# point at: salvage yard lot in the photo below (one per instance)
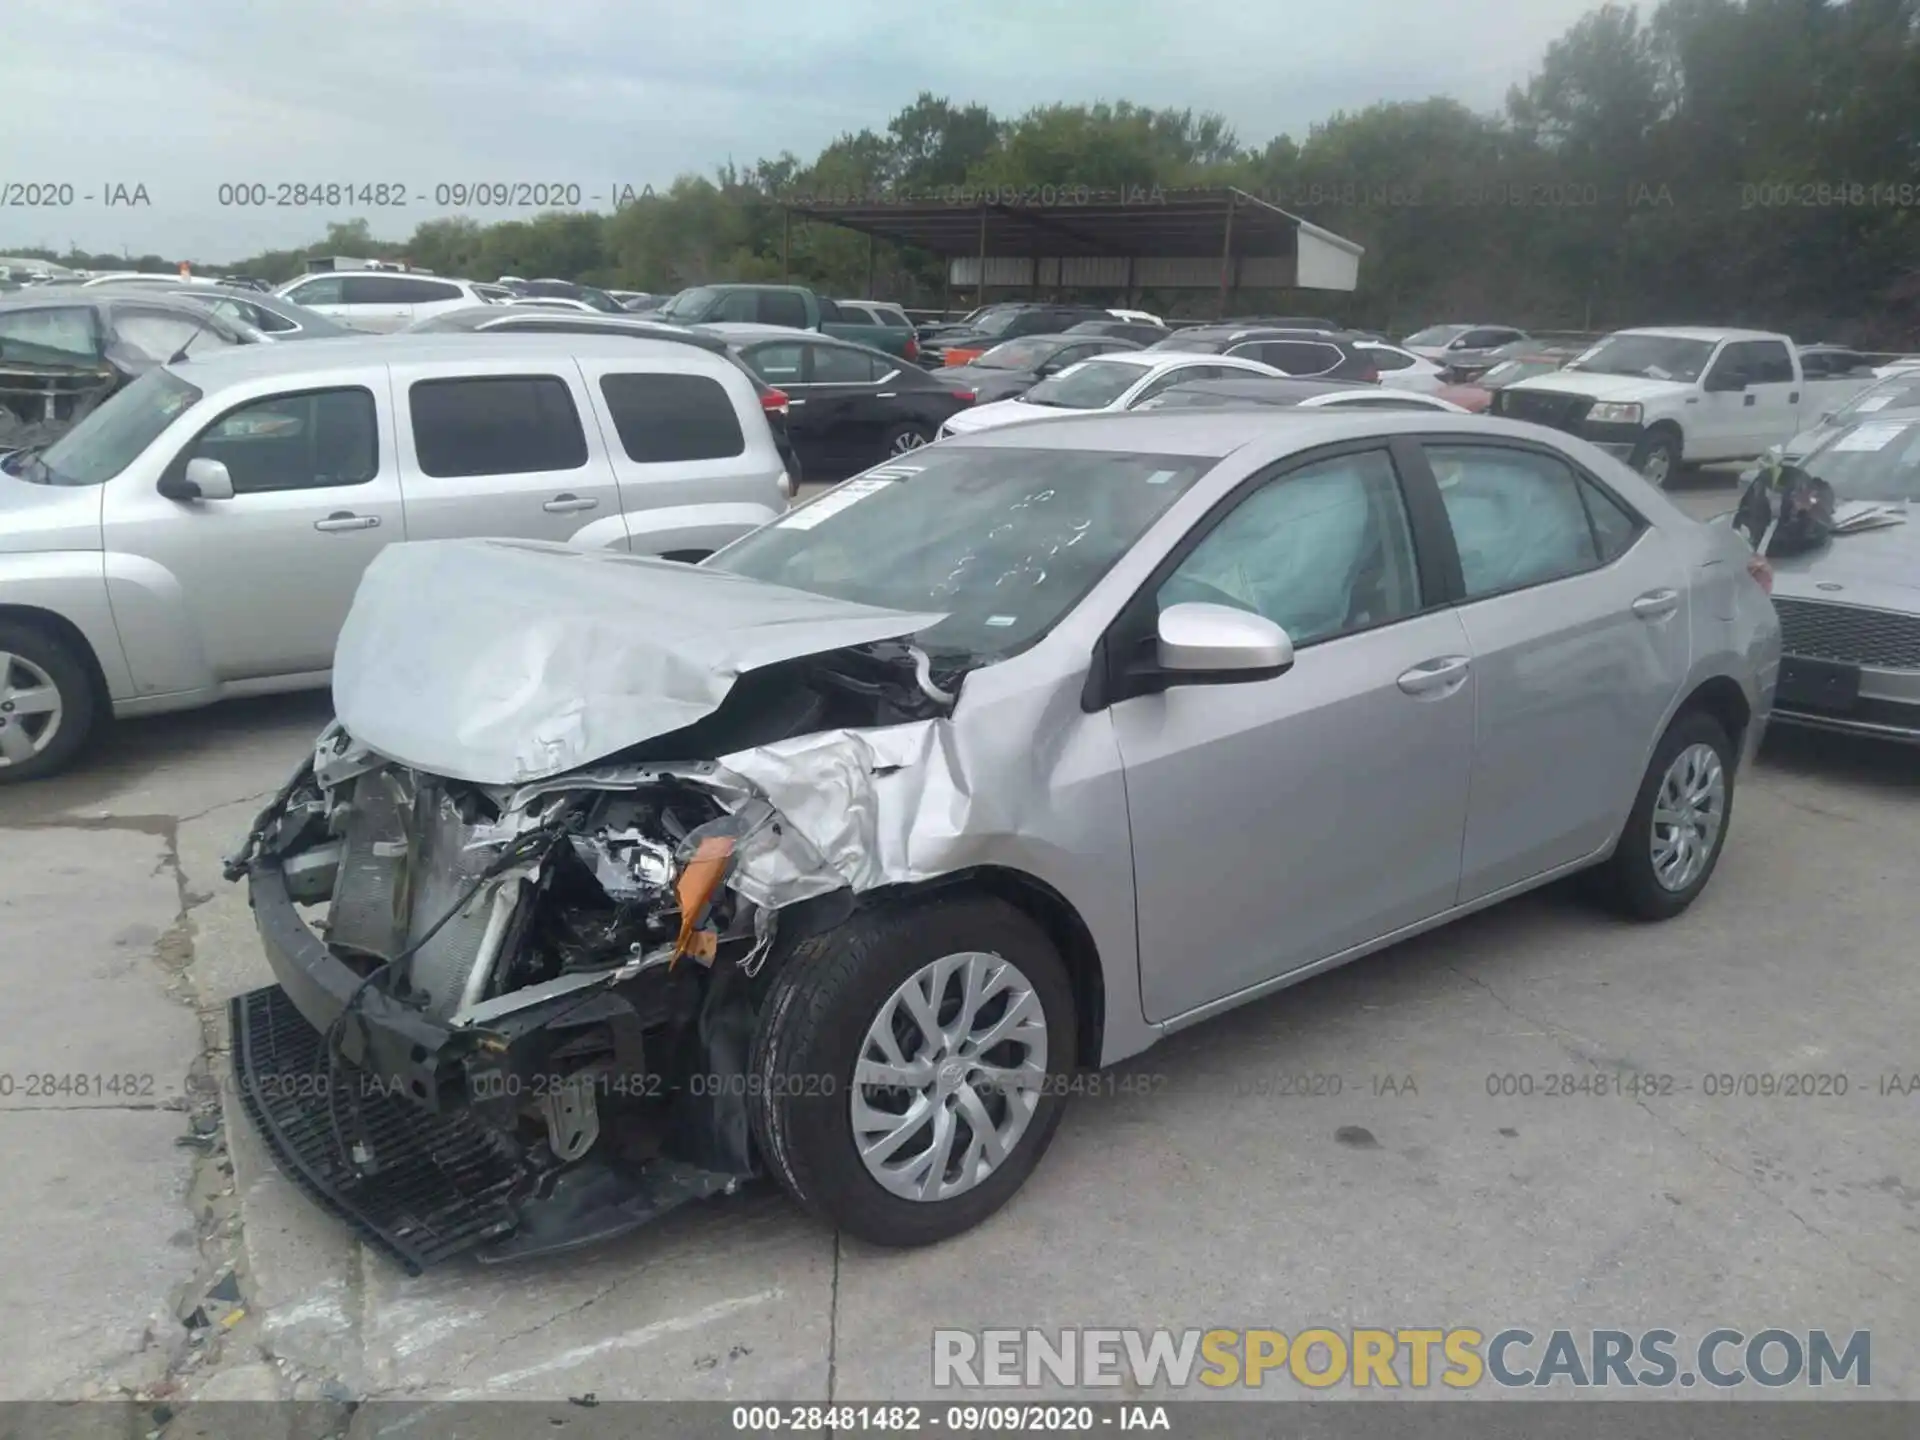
(1338, 1155)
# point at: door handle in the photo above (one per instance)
(1657, 604)
(1434, 675)
(346, 520)
(1751, 399)
(888, 395)
(791, 402)
(567, 504)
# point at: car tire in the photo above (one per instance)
(1632, 881)
(822, 1010)
(33, 659)
(904, 439)
(1657, 457)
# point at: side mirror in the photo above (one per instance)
(1200, 642)
(203, 479)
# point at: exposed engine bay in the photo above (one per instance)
(534, 1003)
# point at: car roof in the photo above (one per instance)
(1276, 386)
(1276, 430)
(58, 295)
(747, 329)
(1700, 332)
(382, 274)
(247, 362)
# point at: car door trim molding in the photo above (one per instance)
(1105, 684)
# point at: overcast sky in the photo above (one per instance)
(180, 98)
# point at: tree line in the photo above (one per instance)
(1712, 161)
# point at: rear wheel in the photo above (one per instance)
(48, 708)
(1678, 825)
(1657, 457)
(903, 439)
(911, 1066)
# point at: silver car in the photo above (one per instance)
(838, 856)
(201, 534)
(1850, 605)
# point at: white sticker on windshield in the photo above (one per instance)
(832, 503)
(1002, 619)
(1161, 477)
(1870, 437)
(1872, 403)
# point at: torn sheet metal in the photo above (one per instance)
(505, 661)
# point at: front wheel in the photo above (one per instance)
(48, 709)
(911, 1065)
(1657, 458)
(1678, 825)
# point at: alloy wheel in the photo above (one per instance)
(948, 1076)
(1688, 811)
(30, 709)
(907, 440)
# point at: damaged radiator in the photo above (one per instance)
(407, 857)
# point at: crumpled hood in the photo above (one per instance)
(506, 661)
(1623, 388)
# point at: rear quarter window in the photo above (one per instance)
(665, 417)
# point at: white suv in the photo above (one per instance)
(381, 300)
(202, 533)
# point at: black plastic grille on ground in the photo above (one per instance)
(443, 1182)
(1851, 634)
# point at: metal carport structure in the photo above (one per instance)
(1048, 237)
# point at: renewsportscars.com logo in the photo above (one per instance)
(1416, 1359)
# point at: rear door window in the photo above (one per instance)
(664, 417)
(1294, 357)
(495, 425)
(781, 363)
(836, 365)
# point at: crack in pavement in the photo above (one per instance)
(1556, 1034)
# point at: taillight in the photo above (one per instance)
(1761, 572)
(774, 402)
(965, 397)
(913, 348)
(1370, 376)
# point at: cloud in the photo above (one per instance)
(602, 93)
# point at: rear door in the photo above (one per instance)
(1576, 614)
(269, 574)
(678, 435)
(499, 448)
(1180, 375)
(848, 407)
(1723, 424)
(381, 303)
(424, 297)
(1776, 388)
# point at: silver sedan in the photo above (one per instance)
(995, 764)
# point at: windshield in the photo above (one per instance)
(1656, 357)
(1002, 541)
(1896, 392)
(691, 304)
(995, 322)
(1018, 355)
(1435, 335)
(1871, 460)
(108, 440)
(1090, 385)
(1508, 371)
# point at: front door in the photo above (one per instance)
(1576, 616)
(1278, 822)
(268, 575)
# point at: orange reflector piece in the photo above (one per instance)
(698, 880)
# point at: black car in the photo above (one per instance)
(65, 349)
(524, 321)
(1138, 331)
(1006, 322)
(850, 407)
(1015, 367)
(1307, 354)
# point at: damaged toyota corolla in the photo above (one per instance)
(838, 857)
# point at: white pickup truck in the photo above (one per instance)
(1667, 396)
